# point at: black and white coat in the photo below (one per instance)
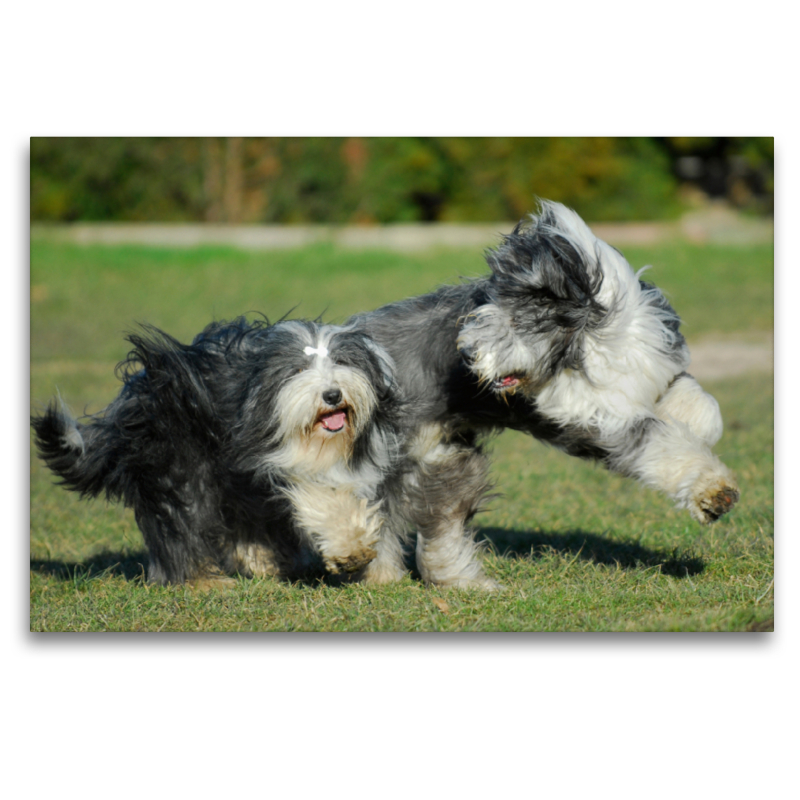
(257, 449)
(562, 341)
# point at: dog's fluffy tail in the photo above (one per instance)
(75, 452)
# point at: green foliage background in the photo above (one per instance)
(390, 179)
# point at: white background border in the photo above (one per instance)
(396, 715)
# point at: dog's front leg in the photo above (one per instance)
(667, 455)
(342, 527)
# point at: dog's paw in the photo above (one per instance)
(350, 563)
(715, 501)
(381, 571)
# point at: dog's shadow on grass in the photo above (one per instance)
(506, 543)
(627, 554)
(130, 566)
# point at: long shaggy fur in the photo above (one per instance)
(562, 340)
(256, 450)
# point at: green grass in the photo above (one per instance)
(574, 547)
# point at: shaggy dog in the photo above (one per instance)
(256, 450)
(562, 341)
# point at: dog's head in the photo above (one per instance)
(561, 300)
(544, 290)
(322, 391)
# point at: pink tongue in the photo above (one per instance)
(335, 421)
(509, 380)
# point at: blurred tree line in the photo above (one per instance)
(378, 180)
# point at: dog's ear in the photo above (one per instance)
(547, 272)
(544, 264)
(384, 363)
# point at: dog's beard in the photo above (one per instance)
(502, 360)
(313, 437)
(597, 360)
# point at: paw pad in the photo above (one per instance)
(720, 503)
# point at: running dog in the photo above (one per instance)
(562, 340)
(256, 450)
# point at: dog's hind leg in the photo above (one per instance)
(388, 566)
(254, 560)
(183, 527)
(177, 553)
(668, 456)
(443, 494)
(180, 548)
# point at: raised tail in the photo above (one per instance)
(79, 454)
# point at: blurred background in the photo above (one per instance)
(178, 231)
(366, 181)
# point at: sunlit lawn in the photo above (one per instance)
(575, 547)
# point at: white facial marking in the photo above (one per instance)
(321, 351)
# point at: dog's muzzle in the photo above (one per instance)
(335, 420)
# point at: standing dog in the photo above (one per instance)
(564, 342)
(256, 450)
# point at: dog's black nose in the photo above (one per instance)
(332, 397)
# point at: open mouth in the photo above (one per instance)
(333, 421)
(508, 382)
